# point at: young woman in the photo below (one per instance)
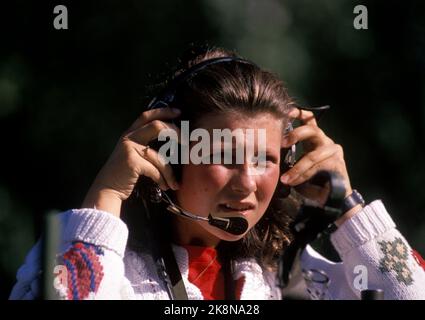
(206, 261)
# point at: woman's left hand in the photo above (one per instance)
(320, 153)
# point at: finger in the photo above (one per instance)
(314, 134)
(150, 171)
(158, 161)
(151, 132)
(328, 165)
(154, 114)
(306, 117)
(311, 163)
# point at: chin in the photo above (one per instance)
(223, 235)
(232, 238)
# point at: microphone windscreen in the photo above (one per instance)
(237, 225)
(233, 225)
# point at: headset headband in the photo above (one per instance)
(167, 95)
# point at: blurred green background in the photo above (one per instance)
(67, 95)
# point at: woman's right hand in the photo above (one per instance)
(131, 159)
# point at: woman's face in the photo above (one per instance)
(224, 190)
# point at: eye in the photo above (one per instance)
(229, 157)
(272, 158)
(226, 157)
(267, 161)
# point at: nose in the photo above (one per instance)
(243, 180)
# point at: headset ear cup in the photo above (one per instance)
(283, 190)
(155, 194)
(287, 161)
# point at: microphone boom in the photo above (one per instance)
(233, 225)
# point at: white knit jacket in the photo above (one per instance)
(369, 240)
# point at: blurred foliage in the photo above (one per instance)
(66, 95)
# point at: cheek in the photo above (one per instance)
(201, 184)
(266, 185)
(205, 177)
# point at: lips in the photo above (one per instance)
(242, 208)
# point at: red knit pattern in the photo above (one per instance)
(86, 273)
(418, 259)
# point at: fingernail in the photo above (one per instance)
(175, 110)
(285, 179)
